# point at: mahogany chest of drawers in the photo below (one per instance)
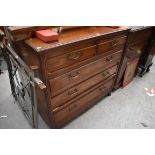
(78, 70)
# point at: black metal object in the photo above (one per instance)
(147, 56)
(23, 84)
(0, 59)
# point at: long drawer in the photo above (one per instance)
(77, 107)
(78, 89)
(61, 83)
(73, 57)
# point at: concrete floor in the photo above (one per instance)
(125, 108)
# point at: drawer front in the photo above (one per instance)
(76, 76)
(78, 89)
(68, 113)
(107, 46)
(65, 60)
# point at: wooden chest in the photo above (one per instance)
(78, 70)
(137, 40)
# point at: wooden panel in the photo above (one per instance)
(139, 36)
(70, 58)
(112, 44)
(69, 79)
(136, 42)
(130, 71)
(134, 51)
(78, 89)
(65, 115)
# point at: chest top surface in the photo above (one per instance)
(73, 36)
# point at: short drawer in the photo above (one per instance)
(76, 76)
(77, 107)
(78, 89)
(107, 46)
(70, 58)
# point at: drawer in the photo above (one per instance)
(77, 107)
(112, 37)
(76, 76)
(107, 46)
(78, 89)
(70, 58)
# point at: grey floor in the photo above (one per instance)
(126, 108)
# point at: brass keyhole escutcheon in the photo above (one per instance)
(109, 59)
(74, 75)
(113, 43)
(72, 92)
(75, 55)
(105, 73)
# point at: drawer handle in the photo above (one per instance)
(114, 75)
(72, 107)
(102, 88)
(72, 92)
(74, 75)
(105, 73)
(109, 59)
(75, 56)
(113, 43)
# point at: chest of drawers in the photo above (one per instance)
(78, 70)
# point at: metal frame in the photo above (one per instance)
(23, 84)
(145, 65)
